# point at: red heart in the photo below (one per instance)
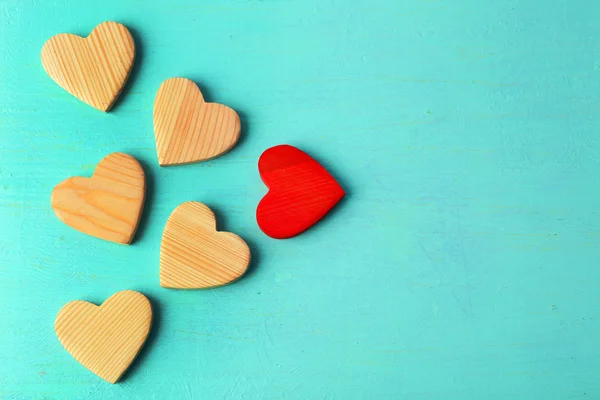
(301, 192)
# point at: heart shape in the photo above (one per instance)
(109, 204)
(93, 69)
(188, 129)
(105, 339)
(301, 192)
(193, 255)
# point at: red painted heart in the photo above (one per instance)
(301, 192)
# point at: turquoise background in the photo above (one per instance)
(463, 263)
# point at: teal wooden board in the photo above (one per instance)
(463, 263)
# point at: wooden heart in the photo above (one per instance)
(105, 339)
(109, 204)
(93, 69)
(193, 255)
(301, 192)
(188, 129)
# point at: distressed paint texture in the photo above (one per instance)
(463, 263)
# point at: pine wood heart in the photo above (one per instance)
(109, 204)
(93, 69)
(105, 339)
(193, 255)
(188, 129)
(301, 192)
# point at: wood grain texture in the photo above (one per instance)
(93, 69)
(109, 204)
(187, 129)
(301, 192)
(105, 339)
(193, 255)
(464, 264)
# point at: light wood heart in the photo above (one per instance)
(193, 255)
(188, 129)
(105, 339)
(93, 69)
(109, 204)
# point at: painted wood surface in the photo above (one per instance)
(462, 263)
(301, 192)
